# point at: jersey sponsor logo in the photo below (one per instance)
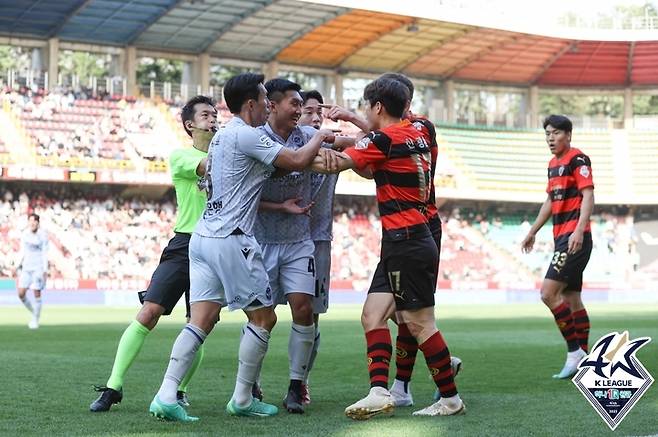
(266, 141)
(362, 143)
(584, 171)
(612, 378)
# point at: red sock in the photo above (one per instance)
(406, 348)
(564, 322)
(437, 357)
(379, 356)
(581, 323)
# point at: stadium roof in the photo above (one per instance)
(336, 37)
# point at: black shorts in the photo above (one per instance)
(171, 279)
(435, 227)
(408, 270)
(569, 268)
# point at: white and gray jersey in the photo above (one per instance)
(34, 246)
(274, 227)
(240, 160)
(322, 213)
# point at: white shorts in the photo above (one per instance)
(291, 269)
(322, 276)
(31, 279)
(228, 271)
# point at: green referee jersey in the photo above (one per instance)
(190, 198)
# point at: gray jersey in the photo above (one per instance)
(35, 250)
(276, 227)
(322, 214)
(240, 160)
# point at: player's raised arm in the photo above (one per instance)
(301, 158)
(335, 113)
(330, 161)
(543, 216)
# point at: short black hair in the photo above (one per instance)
(403, 79)
(35, 217)
(188, 112)
(312, 94)
(558, 122)
(391, 93)
(241, 88)
(276, 88)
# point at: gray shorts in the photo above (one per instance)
(322, 276)
(31, 279)
(291, 269)
(228, 271)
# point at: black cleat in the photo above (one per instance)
(108, 397)
(182, 399)
(293, 402)
(256, 391)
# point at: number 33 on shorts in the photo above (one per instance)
(558, 261)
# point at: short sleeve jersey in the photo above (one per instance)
(35, 250)
(275, 227)
(567, 177)
(190, 193)
(239, 162)
(401, 161)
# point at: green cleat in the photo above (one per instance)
(169, 412)
(256, 409)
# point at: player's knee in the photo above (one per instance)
(549, 298)
(149, 314)
(21, 293)
(302, 312)
(372, 320)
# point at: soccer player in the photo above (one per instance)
(33, 267)
(283, 230)
(171, 279)
(406, 345)
(400, 158)
(570, 202)
(226, 262)
(322, 218)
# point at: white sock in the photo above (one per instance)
(300, 346)
(37, 308)
(253, 347)
(400, 386)
(27, 303)
(182, 356)
(314, 354)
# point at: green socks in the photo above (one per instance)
(190, 373)
(129, 346)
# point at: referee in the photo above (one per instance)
(171, 278)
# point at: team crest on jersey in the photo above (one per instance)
(612, 378)
(561, 170)
(418, 125)
(584, 171)
(362, 143)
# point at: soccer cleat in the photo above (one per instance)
(293, 402)
(378, 401)
(456, 365)
(182, 399)
(33, 324)
(169, 412)
(443, 407)
(571, 365)
(108, 397)
(256, 391)
(256, 409)
(306, 395)
(401, 397)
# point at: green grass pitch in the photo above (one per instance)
(509, 354)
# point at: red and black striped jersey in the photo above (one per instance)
(400, 158)
(567, 176)
(427, 128)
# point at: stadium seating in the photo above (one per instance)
(516, 160)
(644, 159)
